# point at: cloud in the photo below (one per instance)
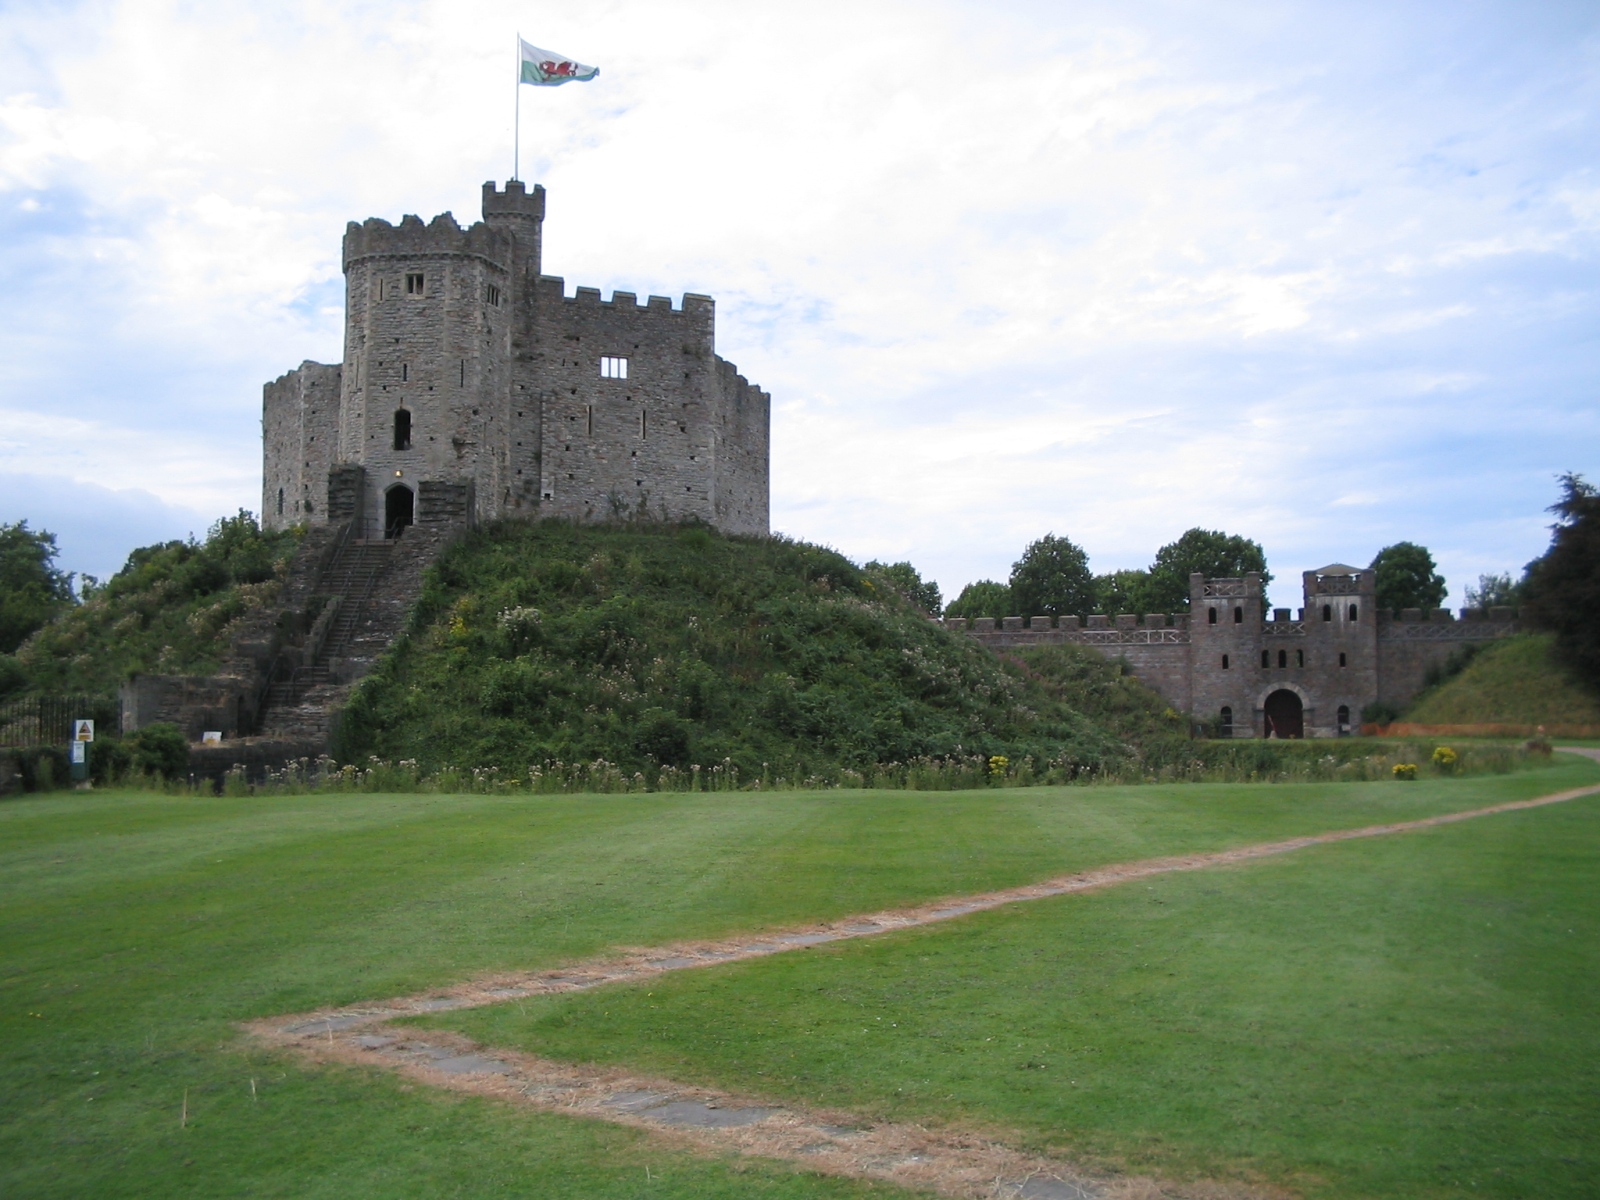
(1006, 269)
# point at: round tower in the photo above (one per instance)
(427, 346)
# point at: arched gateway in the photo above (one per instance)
(1284, 715)
(399, 510)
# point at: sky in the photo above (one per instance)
(1321, 275)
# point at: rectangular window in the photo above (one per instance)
(491, 295)
(613, 368)
(644, 424)
(414, 283)
(589, 420)
(1266, 658)
(1341, 658)
(405, 372)
(1224, 658)
(464, 375)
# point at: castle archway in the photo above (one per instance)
(399, 510)
(1284, 715)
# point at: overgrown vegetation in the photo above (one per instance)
(32, 588)
(169, 609)
(1519, 681)
(664, 648)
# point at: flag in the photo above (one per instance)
(544, 68)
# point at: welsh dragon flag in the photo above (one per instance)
(545, 68)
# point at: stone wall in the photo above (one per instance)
(498, 375)
(299, 435)
(1221, 661)
(1408, 646)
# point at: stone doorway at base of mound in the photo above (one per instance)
(1283, 715)
(399, 510)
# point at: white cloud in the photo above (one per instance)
(1005, 268)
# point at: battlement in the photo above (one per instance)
(552, 288)
(376, 238)
(514, 203)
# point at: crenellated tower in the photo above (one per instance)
(473, 386)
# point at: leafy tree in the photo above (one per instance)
(1563, 586)
(1052, 579)
(905, 579)
(1493, 591)
(1123, 592)
(1405, 578)
(984, 598)
(32, 590)
(1212, 553)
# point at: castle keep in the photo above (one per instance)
(474, 387)
(1234, 669)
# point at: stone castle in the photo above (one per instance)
(1239, 673)
(473, 387)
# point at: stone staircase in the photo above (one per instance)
(366, 591)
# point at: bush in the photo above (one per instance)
(159, 749)
(1405, 770)
(1444, 760)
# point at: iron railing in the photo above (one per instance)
(47, 720)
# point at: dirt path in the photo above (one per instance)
(950, 1162)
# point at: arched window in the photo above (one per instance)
(1224, 662)
(402, 429)
(1212, 619)
(1226, 721)
(1327, 612)
(280, 502)
(1344, 720)
(1299, 658)
(1283, 658)
(1352, 612)
(1238, 616)
(1341, 659)
(1266, 659)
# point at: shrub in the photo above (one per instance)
(1444, 760)
(1405, 770)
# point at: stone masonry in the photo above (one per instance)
(467, 369)
(1232, 666)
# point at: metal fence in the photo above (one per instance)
(47, 720)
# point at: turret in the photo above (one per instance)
(520, 213)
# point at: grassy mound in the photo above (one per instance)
(1517, 681)
(171, 609)
(665, 647)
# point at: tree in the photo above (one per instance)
(32, 590)
(1494, 591)
(1123, 592)
(906, 580)
(1052, 579)
(1405, 578)
(1212, 553)
(1563, 586)
(984, 598)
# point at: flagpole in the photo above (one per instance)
(516, 120)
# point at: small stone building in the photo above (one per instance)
(1234, 666)
(473, 385)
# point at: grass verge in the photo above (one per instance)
(136, 929)
(1406, 1017)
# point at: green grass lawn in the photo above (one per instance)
(136, 929)
(1403, 1017)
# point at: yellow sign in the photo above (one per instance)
(83, 731)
